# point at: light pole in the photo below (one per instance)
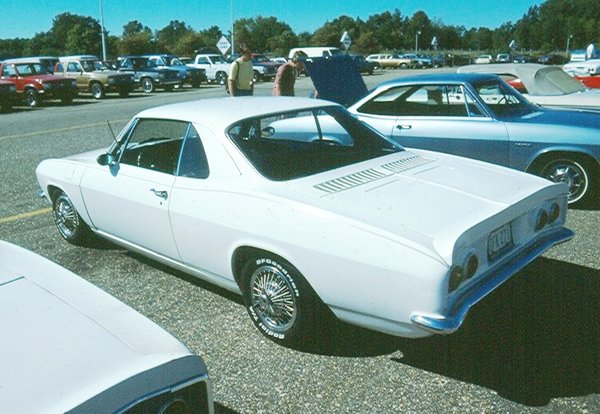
(417, 40)
(102, 32)
(568, 42)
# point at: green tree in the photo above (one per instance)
(168, 36)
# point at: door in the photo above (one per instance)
(130, 199)
(440, 118)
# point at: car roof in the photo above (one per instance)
(29, 59)
(440, 77)
(222, 112)
(78, 57)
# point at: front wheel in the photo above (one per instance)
(575, 172)
(147, 85)
(256, 77)
(32, 98)
(69, 223)
(97, 91)
(280, 302)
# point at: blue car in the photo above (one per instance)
(482, 117)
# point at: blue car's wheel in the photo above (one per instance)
(573, 171)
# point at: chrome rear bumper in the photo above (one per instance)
(456, 310)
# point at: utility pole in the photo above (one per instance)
(102, 32)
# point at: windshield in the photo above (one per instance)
(502, 99)
(291, 145)
(175, 62)
(140, 63)
(93, 65)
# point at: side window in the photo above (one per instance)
(73, 67)
(192, 162)
(155, 144)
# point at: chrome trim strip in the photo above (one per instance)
(456, 311)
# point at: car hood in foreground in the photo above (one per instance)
(53, 322)
(427, 198)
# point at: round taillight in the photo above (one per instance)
(472, 266)
(554, 213)
(541, 220)
(456, 278)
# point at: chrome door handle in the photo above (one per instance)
(403, 126)
(159, 193)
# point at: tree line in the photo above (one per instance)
(542, 29)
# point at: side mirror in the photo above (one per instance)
(106, 159)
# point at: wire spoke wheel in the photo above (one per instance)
(66, 217)
(272, 298)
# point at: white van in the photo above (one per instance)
(314, 52)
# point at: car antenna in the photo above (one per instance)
(112, 132)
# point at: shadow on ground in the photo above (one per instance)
(534, 339)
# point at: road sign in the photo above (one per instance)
(434, 43)
(223, 45)
(512, 44)
(345, 40)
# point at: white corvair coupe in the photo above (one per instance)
(304, 210)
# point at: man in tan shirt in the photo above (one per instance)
(241, 74)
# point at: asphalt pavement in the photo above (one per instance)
(530, 347)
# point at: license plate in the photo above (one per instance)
(500, 242)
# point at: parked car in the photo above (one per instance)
(67, 346)
(552, 59)
(187, 75)
(264, 69)
(215, 67)
(8, 95)
(588, 67)
(279, 60)
(523, 59)
(34, 83)
(391, 61)
(544, 85)
(315, 51)
(93, 76)
(484, 59)
(147, 76)
(503, 58)
(421, 61)
(481, 117)
(363, 65)
(306, 211)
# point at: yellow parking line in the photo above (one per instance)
(25, 215)
(50, 131)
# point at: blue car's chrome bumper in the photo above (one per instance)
(456, 311)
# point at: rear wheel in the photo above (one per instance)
(221, 78)
(281, 303)
(256, 77)
(576, 172)
(69, 223)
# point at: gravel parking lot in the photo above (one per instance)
(532, 346)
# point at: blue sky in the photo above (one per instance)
(25, 18)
